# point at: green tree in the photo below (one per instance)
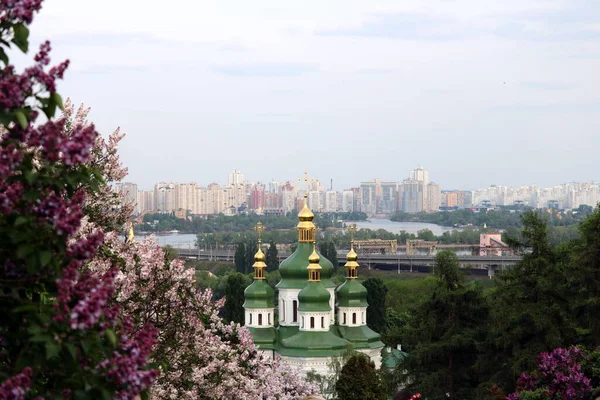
(170, 253)
(251, 249)
(530, 307)
(376, 297)
(584, 278)
(272, 257)
(359, 380)
(235, 285)
(442, 336)
(240, 257)
(328, 251)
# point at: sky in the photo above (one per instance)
(479, 92)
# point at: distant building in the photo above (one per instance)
(145, 201)
(235, 178)
(412, 196)
(434, 197)
(348, 201)
(331, 201)
(129, 191)
(164, 197)
(368, 194)
(491, 244)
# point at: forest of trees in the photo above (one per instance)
(159, 222)
(472, 339)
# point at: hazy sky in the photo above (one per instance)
(478, 92)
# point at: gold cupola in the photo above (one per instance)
(259, 258)
(306, 227)
(314, 269)
(351, 258)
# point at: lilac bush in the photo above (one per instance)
(60, 335)
(559, 375)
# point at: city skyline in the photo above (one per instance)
(482, 92)
(414, 194)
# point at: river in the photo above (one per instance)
(187, 241)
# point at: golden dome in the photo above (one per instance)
(259, 256)
(305, 214)
(351, 256)
(314, 257)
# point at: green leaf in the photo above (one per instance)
(42, 337)
(72, 350)
(58, 100)
(112, 338)
(21, 36)
(24, 250)
(21, 220)
(52, 349)
(21, 119)
(144, 395)
(3, 56)
(50, 108)
(45, 257)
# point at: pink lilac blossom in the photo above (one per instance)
(558, 376)
(206, 357)
(19, 10)
(16, 388)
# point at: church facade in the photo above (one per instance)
(316, 320)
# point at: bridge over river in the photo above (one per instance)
(479, 265)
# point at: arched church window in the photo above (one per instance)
(269, 319)
(260, 319)
(295, 311)
(322, 322)
(344, 318)
(353, 318)
(312, 322)
(283, 310)
(250, 319)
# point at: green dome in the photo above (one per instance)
(326, 272)
(351, 294)
(259, 295)
(293, 269)
(314, 297)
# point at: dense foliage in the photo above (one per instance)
(239, 223)
(359, 380)
(60, 336)
(502, 218)
(376, 296)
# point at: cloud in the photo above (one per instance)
(577, 21)
(110, 69)
(407, 26)
(377, 71)
(264, 70)
(541, 85)
(106, 39)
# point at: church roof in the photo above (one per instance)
(259, 295)
(351, 293)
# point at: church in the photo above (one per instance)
(316, 320)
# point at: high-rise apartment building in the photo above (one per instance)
(386, 203)
(412, 196)
(434, 197)
(185, 197)
(235, 178)
(314, 201)
(129, 191)
(164, 197)
(368, 195)
(331, 201)
(257, 197)
(420, 174)
(145, 201)
(348, 201)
